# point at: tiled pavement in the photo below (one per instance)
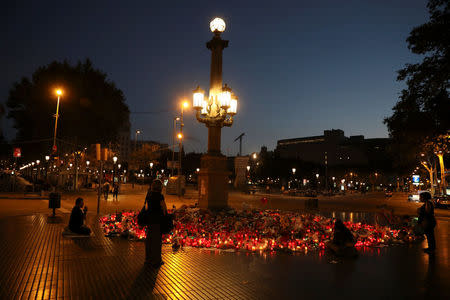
(37, 262)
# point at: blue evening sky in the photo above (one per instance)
(298, 67)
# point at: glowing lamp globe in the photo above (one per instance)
(225, 97)
(199, 96)
(217, 25)
(233, 105)
(204, 111)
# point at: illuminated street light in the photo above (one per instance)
(135, 141)
(151, 165)
(114, 159)
(38, 162)
(294, 170)
(248, 168)
(184, 105)
(317, 175)
(47, 158)
(87, 163)
(217, 25)
(255, 156)
(59, 93)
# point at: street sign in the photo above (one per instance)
(17, 152)
(54, 148)
(416, 179)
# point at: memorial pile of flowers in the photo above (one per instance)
(254, 230)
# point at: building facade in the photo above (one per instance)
(333, 148)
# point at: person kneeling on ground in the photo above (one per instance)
(77, 217)
(343, 243)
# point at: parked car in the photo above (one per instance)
(441, 201)
(416, 196)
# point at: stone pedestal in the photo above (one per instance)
(213, 182)
(240, 169)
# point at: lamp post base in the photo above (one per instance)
(213, 182)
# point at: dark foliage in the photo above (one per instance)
(422, 112)
(92, 108)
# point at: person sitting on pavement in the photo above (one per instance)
(427, 221)
(343, 243)
(77, 217)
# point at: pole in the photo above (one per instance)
(173, 145)
(15, 174)
(56, 124)
(240, 146)
(99, 187)
(75, 188)
(326, 172)
(181, 142)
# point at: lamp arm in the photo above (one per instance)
(199, 117)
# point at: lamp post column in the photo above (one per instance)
(213, 175)
(216, 45)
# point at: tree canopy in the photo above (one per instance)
(92, 109)
(422, 111)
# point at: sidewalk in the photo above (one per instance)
(38, 262)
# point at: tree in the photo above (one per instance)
(4, 146)
(92, 108)
(421, 114)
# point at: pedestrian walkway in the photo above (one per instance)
(38, 262)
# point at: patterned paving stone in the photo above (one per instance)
(37, 262)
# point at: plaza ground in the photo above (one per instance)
(38, 262)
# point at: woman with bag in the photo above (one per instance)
(427, 221)
(157, 210)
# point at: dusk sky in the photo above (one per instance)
(298, 67)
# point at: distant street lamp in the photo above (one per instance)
(135, 141)
(58, 92)
(294, 170)
(47, 158)
(184, 106)
(215, 111)
(114, 168)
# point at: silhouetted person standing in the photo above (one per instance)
(427, 221)
(106, 188)
(116, 191)
(157, 206)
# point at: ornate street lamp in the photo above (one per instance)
(215, 110)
